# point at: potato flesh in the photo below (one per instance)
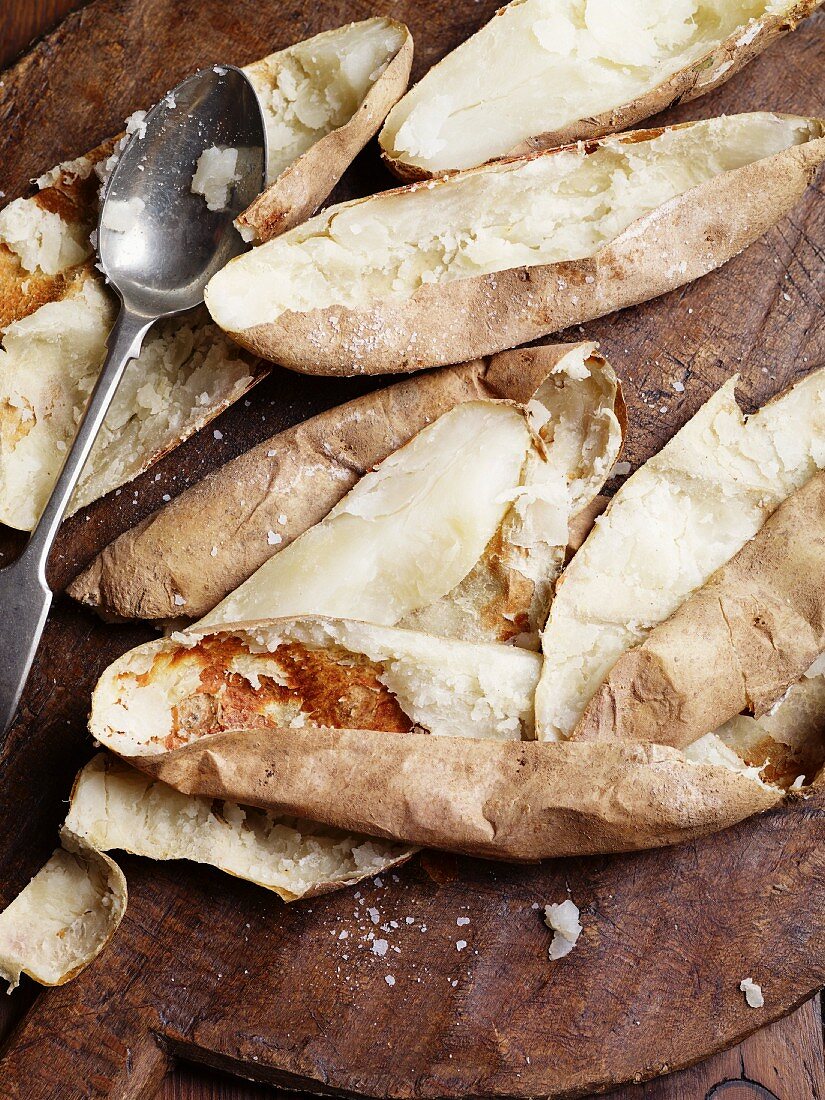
(314, 87)
(406, 534)
(62, 918)
(41, 239)
(673, 523)
(543, 210)
(48, 365)
(576, 59)
(116, 807)
(784, 747)
(314, 672)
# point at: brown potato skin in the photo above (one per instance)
(736, 645)
(697, 79)
(512, 800)
(474, 317)
(301, 188)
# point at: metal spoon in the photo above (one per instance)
(159, 265)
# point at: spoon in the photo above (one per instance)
(158, 245)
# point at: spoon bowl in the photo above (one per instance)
(159, 243)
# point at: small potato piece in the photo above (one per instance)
(487, 259)
(64, 918)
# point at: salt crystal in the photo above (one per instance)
(753, 993)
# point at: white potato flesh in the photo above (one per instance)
(41, 239)
(116, 807)
(540, 210)
(683, 514)
(406, 534)
(542, 65)
(49, 363)
(61, 920)
(314, 87)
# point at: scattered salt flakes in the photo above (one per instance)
(389, 979)
(621, 469)
(564, 920)
(409, 920)
(535, 905)
(797, 784)
(213, 553)
(373, 915)
(273, 538)
(753, 993)
(282, 519)
(157, 477)
(217, 434)
(179, 600)
(219, 69)
(461, 921)
(460, 945)
(678, 386)
(166, 497)
(379, 947)
(454, 982)
(343, 934)
(787, 297)
(271, 454)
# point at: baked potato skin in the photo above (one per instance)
(705, 74)
(470, 318)
(511, 800)
(301, 188)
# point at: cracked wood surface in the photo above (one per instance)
(211, 970)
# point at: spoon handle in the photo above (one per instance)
(25, 596)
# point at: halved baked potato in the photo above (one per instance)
(490, 258)
(543, 73)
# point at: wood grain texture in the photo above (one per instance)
(21, 21)
(215, 971)
(785, 1059)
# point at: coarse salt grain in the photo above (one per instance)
(564, 920)
(753, 993)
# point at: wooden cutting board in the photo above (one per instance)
(221, 972)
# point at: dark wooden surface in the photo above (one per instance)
(216, 971)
